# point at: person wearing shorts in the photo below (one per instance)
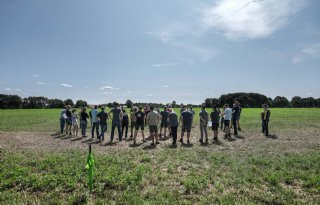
(186, 118)
(164, 121)
(133, 120)
(140, 120)
(227, 113)
(215, 117)
(153, 119)
(75, 126)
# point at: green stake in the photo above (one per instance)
(89, 166)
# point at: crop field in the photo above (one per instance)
(37, 166)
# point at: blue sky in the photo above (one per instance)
(159, 51)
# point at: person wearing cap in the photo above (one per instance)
(186, 118)
(153, 119)
(95, 122)
(164, 121)
(103, 117)
(116, 120)
(265, 116)
(204, 118)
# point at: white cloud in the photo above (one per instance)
(164, 65)
(165, 86)
(250, 19)
(66, 85)
(164, 36)
(85, 87)
(107, 88)
(13, 89)
(296, 59)
(312, 50)
(35, 75)
(41, 83)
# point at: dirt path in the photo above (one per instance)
(293, 142)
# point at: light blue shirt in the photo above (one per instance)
(94, 114)
(227, 114)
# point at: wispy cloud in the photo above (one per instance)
(35, 75)
(165, 86)
(250, 18)
(13, 89)
(107, 87)
(164, 65)
(164, 36)
(40, 83)
(66, 85)
(312, 50)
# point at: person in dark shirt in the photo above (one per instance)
(186, 118)
(215, 117)
(84, 121)
(140, 121)
(235, 115)
(164, 121)
(116, 121)
(103, 117)
(69, 120)
(265, 116)
(125, 123)
(238, 120)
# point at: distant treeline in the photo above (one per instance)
(250, 100)
(256, 100)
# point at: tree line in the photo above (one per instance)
(15, 101)
(247, 100)
(252, 100)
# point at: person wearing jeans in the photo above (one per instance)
(103, 116)
(116, 121)
(84, 121)
(173, 122)
(95, 122)
(204, 118)
(62, 120)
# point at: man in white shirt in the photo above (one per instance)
(227, 114)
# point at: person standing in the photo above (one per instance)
(153, 119)
(238, 120)
(186, 118)
(132, 120)
(140, 120)
(63, 118)
(164, 121)
(116, 121)
(68, 120)
(215, 117)
(227, 113)
(103, 117)
(84, 121)
(95, 122)
(173, 123)
(204, 118)
(75, 126)
(125, 123)
(192, 112)
(235, 115)
(265, 116)
(222, 121)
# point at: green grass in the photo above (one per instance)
(57, 178)
(47, 120)
(196, 175)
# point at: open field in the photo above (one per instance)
(38, 167)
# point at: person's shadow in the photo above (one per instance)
(274, 137)
(76, 139)
(135, 145)
(149, 147)
(187, 145)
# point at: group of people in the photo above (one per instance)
(159, 122)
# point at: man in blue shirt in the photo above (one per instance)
(95, 122)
